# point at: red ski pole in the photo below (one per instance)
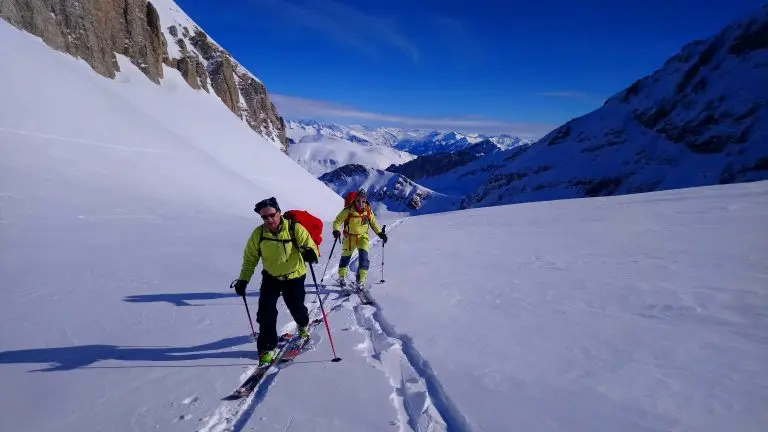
(325, 318)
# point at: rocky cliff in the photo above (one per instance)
(151, 34)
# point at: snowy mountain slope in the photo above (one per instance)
(151, 35)
(701, 119)
(133, 136)
(434, 164)
(388, 192)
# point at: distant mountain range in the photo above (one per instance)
(700, 119)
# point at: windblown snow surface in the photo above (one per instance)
(643, 312)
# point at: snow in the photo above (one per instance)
(125, 208)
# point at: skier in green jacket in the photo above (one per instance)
(284, 272)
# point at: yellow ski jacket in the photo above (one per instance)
(280, 257)
(356, 223)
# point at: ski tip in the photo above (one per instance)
(336, 360)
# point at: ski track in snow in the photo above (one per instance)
(418, 396)
(420, 402)
(233, 416)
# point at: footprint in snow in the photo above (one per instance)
(190, 400)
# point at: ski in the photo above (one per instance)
(249, 385)
(294, 352)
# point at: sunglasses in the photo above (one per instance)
(268, 216)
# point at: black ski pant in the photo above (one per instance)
(293, 293)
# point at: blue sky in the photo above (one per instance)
(485, 66)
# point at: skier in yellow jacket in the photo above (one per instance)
(283, 254)
(355, 220)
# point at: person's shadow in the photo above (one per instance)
(183, 299)
(83, 356)
(75, 357)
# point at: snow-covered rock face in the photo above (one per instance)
(392, 191)
(699, 120)
(438, 163)
(151, 34)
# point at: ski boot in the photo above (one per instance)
(304, 332)
(266, 357)
(359, 286)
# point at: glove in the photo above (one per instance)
(309, 255)
(239, 287)
(336, 234)
(383, 237)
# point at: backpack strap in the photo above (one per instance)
(351, 208)
(291, 231)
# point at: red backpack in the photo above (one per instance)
(349, 198)
(312, 223)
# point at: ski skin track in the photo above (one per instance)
(233, 416)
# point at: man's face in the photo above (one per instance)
(359, 202)
(271, 218)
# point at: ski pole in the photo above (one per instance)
(250, 321)
(383, 230)
(329, 258)
(325, 317)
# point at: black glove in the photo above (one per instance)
(239, 286)
(336, 234)
(309, 255)
(383, 237)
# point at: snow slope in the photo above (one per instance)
(130, 136)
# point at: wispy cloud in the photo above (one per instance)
(353, 27)
(565, 94)
(303, 108)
